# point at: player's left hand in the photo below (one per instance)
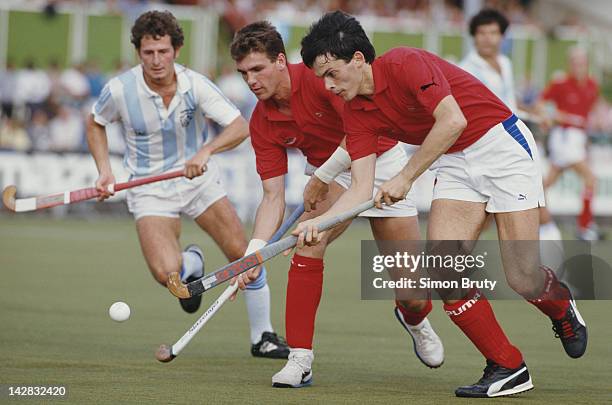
(392, 191)
(245, 279)
(314, 192)
(196, 166)
(308, 234)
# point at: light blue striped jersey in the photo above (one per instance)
(158, 138)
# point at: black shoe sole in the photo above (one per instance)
(268, 356)
(191, 305)
(514, 394)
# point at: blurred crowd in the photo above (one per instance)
(44, 109)
(237, 13)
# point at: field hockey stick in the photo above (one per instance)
(167, 353)
(70, 197)
(225, 273)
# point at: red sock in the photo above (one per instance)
(554, 300)
(304, 288)
(474, 316)
(414, 318)
(585, 219)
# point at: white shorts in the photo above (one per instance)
(172, 197)
(566, 146)
(501, 169)
(388, 165)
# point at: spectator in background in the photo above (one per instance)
(7, 90)
(66, 130)
(74, 85)
(39, 132)
(32, 88)
(95, 78)
(486, 61)
(13, 136)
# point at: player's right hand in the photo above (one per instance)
(307, 233)
(314, 192)
(104, 180)
(245, 279)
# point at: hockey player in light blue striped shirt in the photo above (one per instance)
(162, 108)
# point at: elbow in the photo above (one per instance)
(244, 129)
(457, 123)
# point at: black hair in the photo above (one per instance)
(488, 16)
(339, 35)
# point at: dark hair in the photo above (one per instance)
(157, 24)
(488, 16)
(338, 34)
(260, 36)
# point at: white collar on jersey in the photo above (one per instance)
(476, 59)
(183, 82)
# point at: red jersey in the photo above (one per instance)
(573, 97)
(409, 83)
(315, 126)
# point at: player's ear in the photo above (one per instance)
(358, 58)
(281, 61)
(177, 51)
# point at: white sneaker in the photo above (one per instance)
(427, 345)
(297, 372)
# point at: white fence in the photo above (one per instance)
(36, 174)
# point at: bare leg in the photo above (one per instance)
(521, 258)
(399, 229)
(159, 241)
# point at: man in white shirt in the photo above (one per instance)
(485, 61)
(494, 70)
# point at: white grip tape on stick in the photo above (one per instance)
(66, 197)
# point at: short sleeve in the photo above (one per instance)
(105, 109)
(270, 158)
(550, 92)
(214, 104)
(422, 77)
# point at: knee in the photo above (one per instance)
(160, 271)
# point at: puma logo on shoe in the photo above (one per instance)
(267, 347)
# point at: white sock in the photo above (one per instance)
(551, 248)
(258, 307)
(550, 231)
(192, 265)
